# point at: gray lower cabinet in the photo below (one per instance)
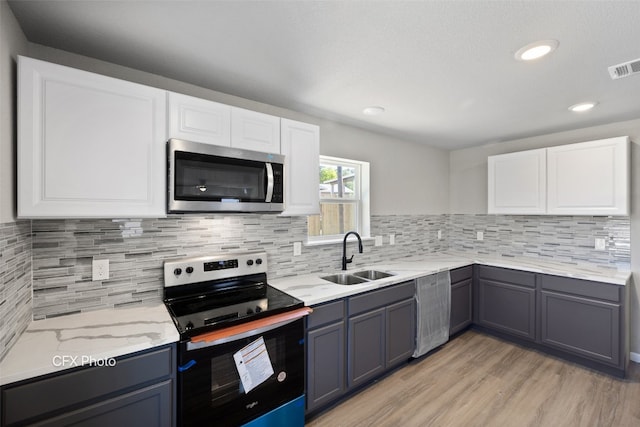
(400, 332)
(379, 340)
(580, 320)
(138, 390)
(382, 330)
(507, 301)
(325, 354)
(584, 318)
(461, 299)
(352, 341)
(366, 346)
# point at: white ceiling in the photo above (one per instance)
(443, 70)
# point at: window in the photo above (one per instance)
(344, 200)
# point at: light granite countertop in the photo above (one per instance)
(60, 343)
(312, 289)
(94, 337)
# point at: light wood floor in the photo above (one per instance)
(478, 380)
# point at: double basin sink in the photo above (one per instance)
(357, 277)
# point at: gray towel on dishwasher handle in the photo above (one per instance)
(433, 309)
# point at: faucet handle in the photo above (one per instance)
(349, 260)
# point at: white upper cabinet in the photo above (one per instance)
(590, 178)
(517, 183)
(200, 120)
(255, 131)
(88, 145)
(301, 148)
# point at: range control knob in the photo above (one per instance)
(177, 271)
(249, 262)
(258, 309)
(249, 311)
(189, 270)
(189, 325)
(259, 261)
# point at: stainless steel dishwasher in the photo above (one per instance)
(433, 310)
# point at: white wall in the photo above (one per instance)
(406, 178)
(12, 43)
(468, 180)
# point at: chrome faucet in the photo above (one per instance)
(346, 261)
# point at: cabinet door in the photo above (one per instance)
(400, 331)
(517, 183)
(590, 178)
(461, 306)
(89, 145)
(325, 365)
(581, 326)
(200, 120)
(251, 130)
(301, 146)
(507, 308)
(150, 406)
(366, 347)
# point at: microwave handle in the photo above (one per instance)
(269, 194)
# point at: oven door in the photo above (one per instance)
(208, 178)
(210, 388)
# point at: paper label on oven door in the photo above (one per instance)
(253, 364)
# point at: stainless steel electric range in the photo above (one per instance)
(241, 350)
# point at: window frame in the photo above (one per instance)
(363, 209)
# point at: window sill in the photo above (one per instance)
(335, 241)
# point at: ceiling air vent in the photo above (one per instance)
(625, 69)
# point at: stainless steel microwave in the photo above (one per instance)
(211, 178)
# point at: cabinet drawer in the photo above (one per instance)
(506, 275)
(386, 296)
(326, 313)
(587, 288)
(76, 386)
(460, 274)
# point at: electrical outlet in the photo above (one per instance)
(297, 248)
(439, 234)
(600, 244)
(378, 240)
(480, 235)
(100, 269)
(392, 239)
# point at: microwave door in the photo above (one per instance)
(269, 191)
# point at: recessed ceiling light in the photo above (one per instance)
(582, 107)
(536, 50)
(373, 111)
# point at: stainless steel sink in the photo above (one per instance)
(372, 274)
(356, 278)
(344, 279)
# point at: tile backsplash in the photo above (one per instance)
(58, 253)
(15, 282)
(64, 249)
(567, 239)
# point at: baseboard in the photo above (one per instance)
(635, 357)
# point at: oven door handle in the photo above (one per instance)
(248, 329)
(186, 366)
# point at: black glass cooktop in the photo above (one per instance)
(205, 308)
